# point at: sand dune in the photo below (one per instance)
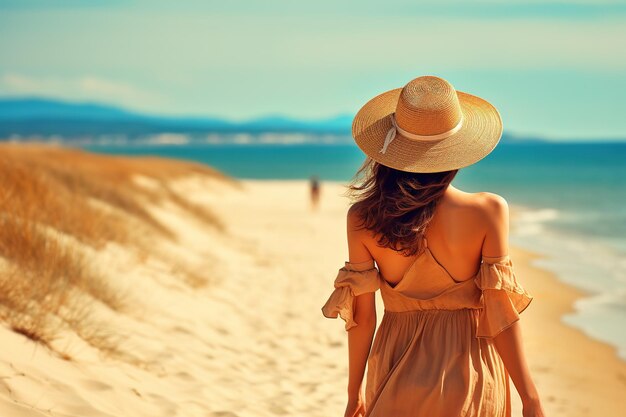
(226, 321)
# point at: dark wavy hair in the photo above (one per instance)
(395, 205)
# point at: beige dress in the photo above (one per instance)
(433, 354)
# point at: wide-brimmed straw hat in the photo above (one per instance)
(427, 126)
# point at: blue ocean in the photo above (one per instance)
(571, 196)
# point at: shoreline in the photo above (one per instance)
(574, 372)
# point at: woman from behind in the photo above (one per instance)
(450, 336)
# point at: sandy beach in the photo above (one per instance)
(225, 321)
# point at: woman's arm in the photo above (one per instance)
(360, 342)
(510, 347)
(509, 342)
(359, 337)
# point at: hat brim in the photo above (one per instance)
(480, 133)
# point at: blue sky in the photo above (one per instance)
(553, 69)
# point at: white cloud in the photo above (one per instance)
(86, 88)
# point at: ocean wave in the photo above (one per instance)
(530, 221)
(594, 264)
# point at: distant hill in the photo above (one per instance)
(45, 117)
(39, 108)
(25, 117)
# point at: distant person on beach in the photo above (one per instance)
(315, 192)
(450, 335)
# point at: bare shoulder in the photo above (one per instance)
(354, 218)
(355, 221)
(494, 213)
(357, 236)
(482, 207)
(492, 205)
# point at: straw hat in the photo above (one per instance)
(427, 126)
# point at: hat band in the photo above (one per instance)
(395, 129)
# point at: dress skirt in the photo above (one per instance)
(434, 354)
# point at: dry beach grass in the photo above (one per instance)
(53, 201)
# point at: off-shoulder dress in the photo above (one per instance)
(433, 354)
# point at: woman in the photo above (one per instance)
(450, 335)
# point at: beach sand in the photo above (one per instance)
(253, 341)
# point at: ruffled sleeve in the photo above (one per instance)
(352, 280)
(502, 297)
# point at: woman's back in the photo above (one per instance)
(464, 228)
